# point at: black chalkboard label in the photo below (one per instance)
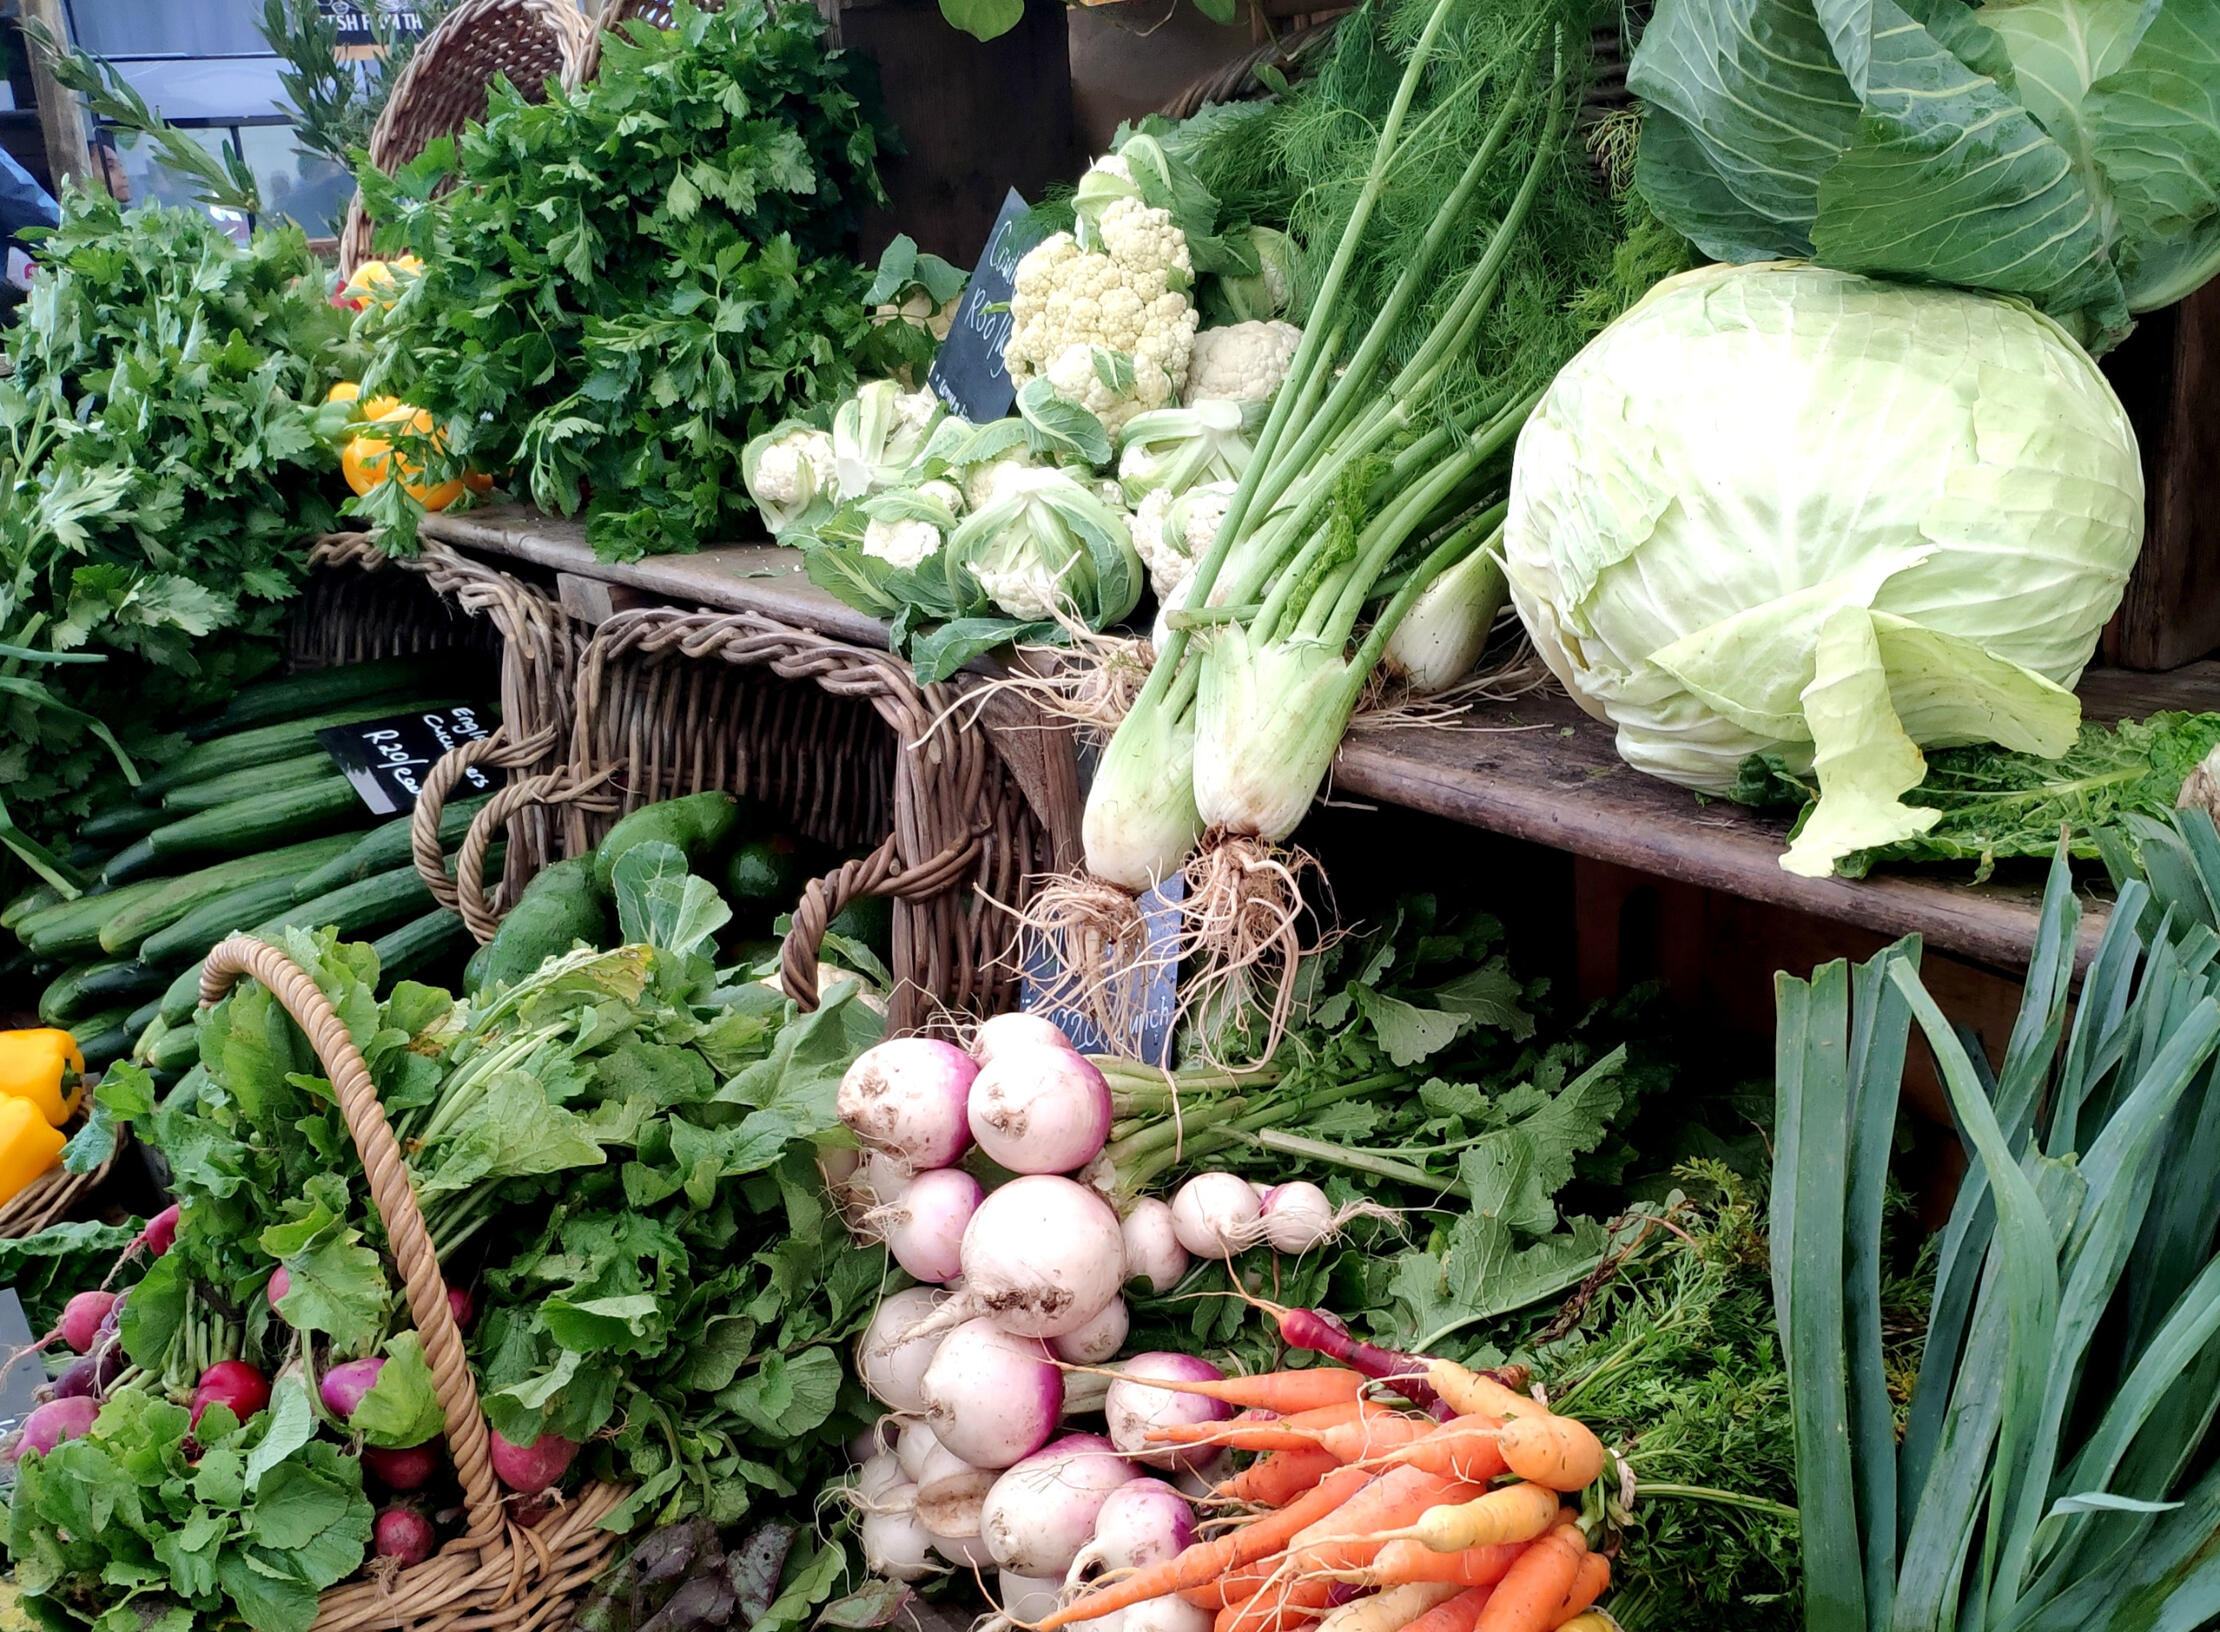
(1047, 991)
(967, 373)
(387, 759)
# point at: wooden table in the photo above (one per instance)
(1537, 769)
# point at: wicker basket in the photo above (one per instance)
(843, 744)
(54, 1195)
(449, 77)
(654, 13)
(361, 603)
(497, 1576)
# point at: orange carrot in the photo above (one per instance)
(1289, 1433)
(1284, 1391)
(1366, 1438)
(1587, 1587)
(1399, 1562)
(1276, 1480)
(1276, 1605)
(1475, 1393)
(1237, 1586)
(1206, 1561)
(1511, 1513)
(1352, 1534)
(1532, 1590)
(1458, 1614)
(1553, 1451)
(1464, 1446)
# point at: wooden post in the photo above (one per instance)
(61, 116)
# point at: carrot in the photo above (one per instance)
(1456, 1614)
(1277, 1605)
(1388, 1611)
(1352, 1534)
(1553, 1451)
(1594, 1621)
(1513, 1513)
(1370, 1437)
(1535, 1587)
(1587, 1587)
(1475, 1393)
(1464, 1446)
(1237, 1586)
(1401, 1562)
(1286, 1392)
(1279, 1478)
(1205, 1561)
(1291, 1433)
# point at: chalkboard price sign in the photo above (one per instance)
(967, 373)
(386, 759)
(1047, 986)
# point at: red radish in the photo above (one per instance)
(1133, 1409)
(48, 1425)
(1040, 1110)
(1040, 1513)
(411, 1469)
(890, 1364)
(527, 1511)
(991, 1398)
(233, 1384)
(907, 1096)
(1098, 1340)
(89, 1376)
(343, 1386)
(81, 1318)
(1152, 1250)
(281, 1282)
(530, 1469)
(1003, 1032)
(160, 1233)
(925, 1229)
(403, 1533)
(462, 1306)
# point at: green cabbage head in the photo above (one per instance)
(1780, 508)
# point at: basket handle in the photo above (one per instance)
(482, 913)
(395, 1200)
(879, 873)
(439, 783)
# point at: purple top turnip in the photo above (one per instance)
(1040, 1110)
(925, 1229)
(1153, 1254)
(991, 1398)
(1004, 1032)
(1043, 1510)
(1132, 1409)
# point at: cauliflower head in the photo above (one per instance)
(789, 473)
(904, 542)
(1243, 362)
(1171, 531)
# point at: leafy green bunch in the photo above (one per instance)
(160, 479)
(624, 284)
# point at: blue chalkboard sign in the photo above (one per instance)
(1047, 987)
(967, 374)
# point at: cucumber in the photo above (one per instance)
(71, 929)
(92, 987)
(182, 997)
(559, 907)
(119, 824)
(149, 1032)
(192, 935)
(377, 901)
(35, 899)
(697, 824)
(103, 1038)
(381, 848)
(134, 861)
(127, 929)
(255, 780)
(148, 1013)
(177, 1049)
(315, 691)
(266, 745)
(418, 944)
(247, 824)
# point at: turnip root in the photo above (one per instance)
(1002, 1032)
(880, 1476)
(49, 1424)
(889, 1361)
(402, 1470)
(1216, 1215)
(1042, 1511)
(81, 1318)
(950, 1508)
(1153, 1254)
(343, 1387)
(1026, 1598)
(907, 1096)
(233, 1384)
(1170, 1614)
(914, 1450)
(1142, 1522)
(992, 1398)
(403, 1533)
(1297, 1217)
(1040, 1110)
(897, 1546)
(925, 1229)
(1042, 1256)
(943, 1466)
(530, 1469)
(1099, 1339)
(1133, 1410)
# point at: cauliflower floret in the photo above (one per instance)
(904, 543)
(1242, 361)
(1167, 567)
(795, 469)
(983, 484)
(1129, 297)
(1172, 533)
(915, 411)
(947, 495)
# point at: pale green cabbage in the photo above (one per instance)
(1785, 509)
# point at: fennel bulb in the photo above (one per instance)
(1446, 629)
(1268, 716)
(1141, 820)
(1791, 510)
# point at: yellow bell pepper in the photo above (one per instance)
(42, 1066)
(29, 1146)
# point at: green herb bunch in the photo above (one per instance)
(625, 283)
(160, 479)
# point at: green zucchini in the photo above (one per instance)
(92, 987)
(192, 935)
(182, 895)
(35, 899)
(252, 782)
(697, 824)
(383, 847)
(71, 929)
(265, 745)
(418, 944)
(315, 691)
(559, 907)
(247, 824)
(104, 1038)
(119, 824)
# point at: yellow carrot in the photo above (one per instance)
(1389, 1611)
(1594, 1620)
(1474, 1393)
(1552, 1450)
(1514, 1513)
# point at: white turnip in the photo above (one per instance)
(1026, 1598)
(1001, 1033)
(1133, 1409)
(1297, 1217)
(233, 1384)
(950, 1508)
(1216, 1215)
(943, 1466)
(1153, 1254)
(530, 1469)
(1142, 1522)
(409, 1469)
(1170, 1614)
(992, 1398)
(914, 1450)
(81, 1318)
(403, 1533)
(1040, 1110)
(1099, 1339)
(1042, 1511)
(1042, 1257)
(896, 1545)
(49, 1424)
(343, 1387)
(878, 1478)
(889, 1360)
(907, 1096)
(925, 1229)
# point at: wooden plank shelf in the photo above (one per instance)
(1537, 768)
